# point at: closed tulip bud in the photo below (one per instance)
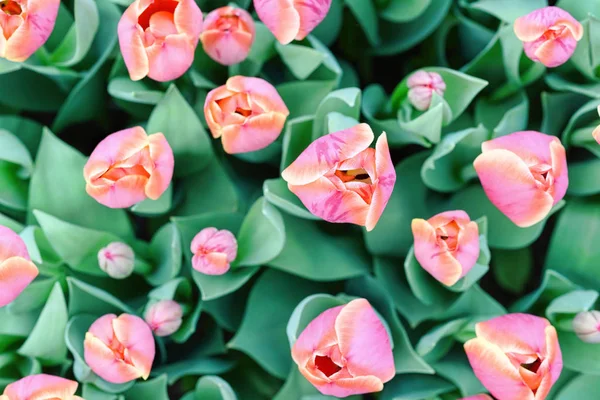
(228, 35)
(164, 317)
(41, 387)
(549, 35)
(117, 260)
(214, 250)
(421, 86)
(16, 269)
(587, 326)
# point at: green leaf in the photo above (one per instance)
(563, 309)
(415, 387)
(13, 193)
(151, 208)
(345, 101)
(46, 340)
(584, 177)
(456, 368)
(558, 108)
(440, 336)
(587, 53)
(195, 366)
(512, 268)
(307, 310)
(553, 285)
(343, 256)
(191, 145)
(505, 116)
(329, 29)
(508, 10)
(262, 235)
(33, 297)
(580, 387)
(577, 355)
(366, 15)
(87, 299)
(214, 388)
(301, 60)
(24, 88)
(303, 97)
(78, 40)
(404, 10)
(216, 286)
(167, 253)
(58, 188)
(277, 193)
(263, 335)
(153, 389)
(136, 97)
(14, 151)
(296, 138)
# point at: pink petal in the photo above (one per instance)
(136, 336)
(132, 45)
(533, 25)
(351, 386)
(325, 152)
(446, 217)
(164, 317)
(559, 170)
(164, 163)
(188, 19)
(101, 359)
(510, 186)
(11, 245)
(318, 334)
(439, 263)
(170, 59)
(386, 179)
(231, 46)
(468, 247)
(281, 17)
(40, 387)
(16, 273)
(364, 341)
(211, 264)
(551, 53)
(311, 13)
(531, 146)
(515, 333)
(256, 133)
(495, 371)
(260, 91)
(478, 397)
(34, 31)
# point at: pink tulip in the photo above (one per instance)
(228, 35)
(446, 245)
(421, 86)
(25, 26)
(41, 387)
(117, 260)
(549, 35)
(214, 250)
(478, 397)
(16, 269)
(119, 349)
(341, 179)
(345, 351)
(158, 38)
(524, 174)
(516, 356)
(291, 19)
(246, 113)
(129, 166)
(586, 326)
(164, 317)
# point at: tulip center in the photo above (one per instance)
(227, 23)
(168, 6)
(11, 7)
(554, 32)
(534, 366)
(114, 174)
(244, 112)
(326, 365)
(354, 175)
(447, 236)
(542, 173)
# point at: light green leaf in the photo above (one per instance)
(508, 10)
(214, 388)
(404, 10)
(301, 60)
(563, 309)
(366, 15)
(276, 192)
(345, 101)
(78, 40)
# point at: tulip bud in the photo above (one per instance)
(228, 35)
(421, 86)
(587, 326)
(117, 260)
(164, 317)
(213, 251)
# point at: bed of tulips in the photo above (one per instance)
(299, 200)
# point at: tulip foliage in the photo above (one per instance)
(299, 199)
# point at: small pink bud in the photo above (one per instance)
(117, 260)
(213, 251)
(421, 86)
(228, 35)
(164, 317)
(587, 326)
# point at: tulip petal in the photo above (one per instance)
(559, 170)
(256, 133)
(325, 152)
(446, 217)
(386, 179)
(318, 334)
(533, 25)
(102, 361)
(124, 193)
(16, 273)
(352, 386)
(39, 387)
(188, 20)
(553, 53)
(515, 333)
(132, 45)
(311, 13)
(468, 248)
(531, 146)
(439, 263)
(495, 371)
(510, 186)
(281, 17)
(164, 163)
(211, 264)
(11, 245)
(364, 342)
(259, 91)
(136, 336)
(170, 59)
(478, 397)
(229, 48)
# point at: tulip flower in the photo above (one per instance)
(129, 166)
(446, 245)
(158, 38)
(524, 175)
(40, 387)
(587, 326)
(228, 35)
(164, 317)
(16, 269)
(421, 86)
(25, 26)
(478, 397)
(345, 351)
(119, 349)
(549, 35)
(291, 19)
(246, 113)
(214, 250)
(516, 356)
(117, 260)
(596, 132)
(341, 179)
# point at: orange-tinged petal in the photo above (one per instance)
(41, 387)
(533, 25)
(531, 146)
(495, 371)
(256, 133)
(136, 336)
(552, 53)
(281, 17)
(386, 179)
(325, 152)
(163, 159)
(214, 250)
(260, 92)
(515, 333)
(170, 59)
(123, 193)
(364, 342)
(11, 245)
(446, 217)
(311, 13)
(468, 247)
(188, 19)
(511, 187)
(558, 158)
(227, 48)
(101, 359)
(478, 397)
(319, 333)
(132, 44)
(351, 386)
(16, 273)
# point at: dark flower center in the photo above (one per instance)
(534, 366)
(11, 7)
(158, 6)
(326, 365)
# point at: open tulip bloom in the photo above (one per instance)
(341, 179)
(16, 269)
(41, 387)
